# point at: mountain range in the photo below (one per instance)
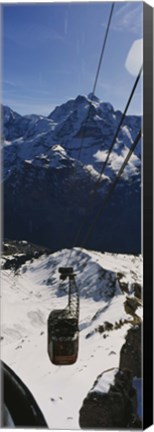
(51, 166)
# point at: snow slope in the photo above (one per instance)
(27, 299)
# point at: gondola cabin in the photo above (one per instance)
(62, 338)
(63, 333)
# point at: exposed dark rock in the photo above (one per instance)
(130, 355)
(115, 408)
(20, 252)
(107, 326)
(131, 304)
(137, 289)
(123, 286)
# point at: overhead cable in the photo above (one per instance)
(121, 121)
(97, 183)
(97, 73)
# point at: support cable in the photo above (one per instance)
(112, 187)
(94, 190)
(103, 49)
(97, 73)
(121, 121)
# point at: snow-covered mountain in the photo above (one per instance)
(110, 310)
(51, 165)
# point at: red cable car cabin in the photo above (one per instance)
(63, 332)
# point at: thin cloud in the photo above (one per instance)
(10, 84)
(128, 18)
(42, 34)
(48, 34)
(104, 85)
(24, 108)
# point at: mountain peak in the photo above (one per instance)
(93, 98)
(81, 99)
(47, 180)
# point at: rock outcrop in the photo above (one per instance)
(130, 355)
(112, 405)
(115, 398)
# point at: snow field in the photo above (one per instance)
(28, 298)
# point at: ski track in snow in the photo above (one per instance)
(28, 298)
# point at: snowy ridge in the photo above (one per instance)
(104, 383)
(27, 299)
(95, 120)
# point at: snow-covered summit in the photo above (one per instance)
(68, 124)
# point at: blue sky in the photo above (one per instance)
(50, 54)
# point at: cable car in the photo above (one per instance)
(63, 331)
